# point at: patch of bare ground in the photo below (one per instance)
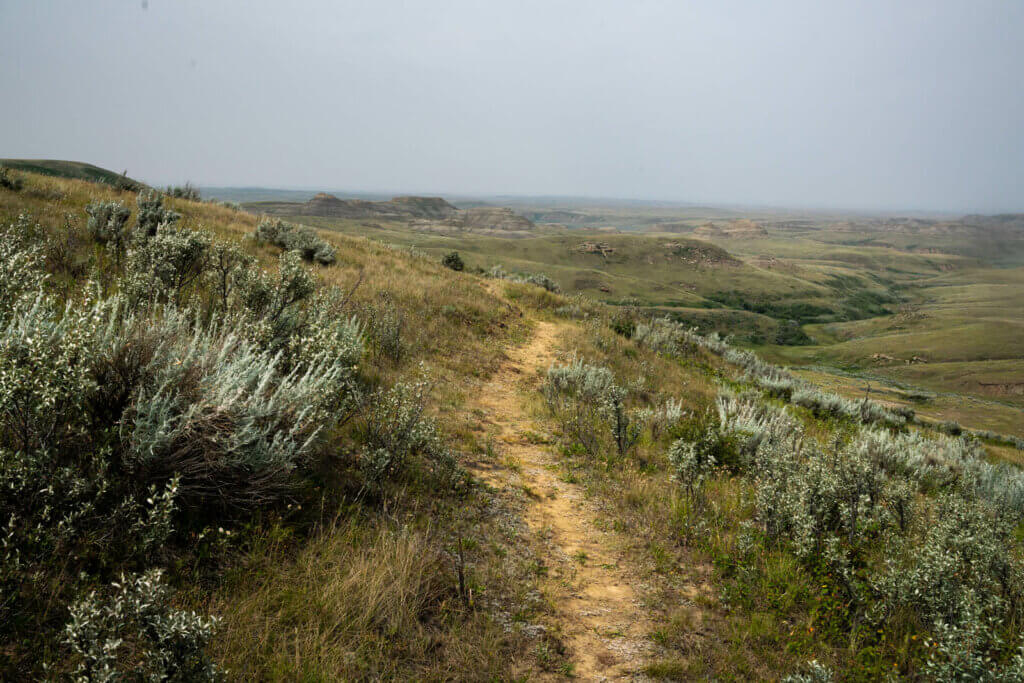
(594, 586)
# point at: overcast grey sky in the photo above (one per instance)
(888, 104)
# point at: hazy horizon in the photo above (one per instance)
(873, 106)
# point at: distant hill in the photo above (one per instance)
(739, 229)
(74, 169)
(329, 206)
(432, 214)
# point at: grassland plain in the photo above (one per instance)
(598, 455)
(923, 305)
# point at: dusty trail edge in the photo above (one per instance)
(597, 609)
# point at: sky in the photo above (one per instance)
(863, 104)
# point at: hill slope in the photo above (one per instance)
(379, 468)
(74, 169)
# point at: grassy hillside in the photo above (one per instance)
(264, 452)
(74, 169)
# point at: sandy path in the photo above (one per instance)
(597, 610)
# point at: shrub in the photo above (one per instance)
(588, 401)
(228, 267)
(160, 269)
(692, 462)
(626, 425)
(865, 411)
(152, 215)
(134, 634)
(274, 299)
(122, 425)
(387, 326)
(950, 427)
(218, 411)
(813, 672)
(960, 575)
(305, 241)
(828, 507)
(746, 424)
(108, 225)
(453, 261)
(395, 429)
(21, 264)
(8, 181)
(665, 336)
(186, 191)
(662, 419)
(539, 279)
(576, 393)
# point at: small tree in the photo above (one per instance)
(226, 262)
(453, 261)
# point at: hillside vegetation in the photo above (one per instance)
(74, 169)
(240, 447)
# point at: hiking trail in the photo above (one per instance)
(597, 611)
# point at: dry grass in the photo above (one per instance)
(359, 603)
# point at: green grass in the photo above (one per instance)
(73, 169)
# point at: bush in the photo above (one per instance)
(228, 267)
(122, 425)
(813, 672)
(745, 424)
(133, 634)
(960, 574)
(589, 403)
(108, 224)
(21, 264)
(692, 462)
(395, 429)
(8, 181)
(539, 279)
(186, 191)
(668, 337)
(950, 427)
(453, 261)
(221, 413)
(160, 269)
(305, 241)
(152, 215)
(387, 327)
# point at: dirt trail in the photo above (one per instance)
(597, 610)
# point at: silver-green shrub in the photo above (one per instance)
(813, 672)
(226, 271)
(298, 238)
(692, 464)
(539, 279)
(752, 423)
(108, 224)
(21, 264)
(152, 215)
(590, 404)
(134, 634)
(162, 268)
(395, 429)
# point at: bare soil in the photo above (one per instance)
(597, 611)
